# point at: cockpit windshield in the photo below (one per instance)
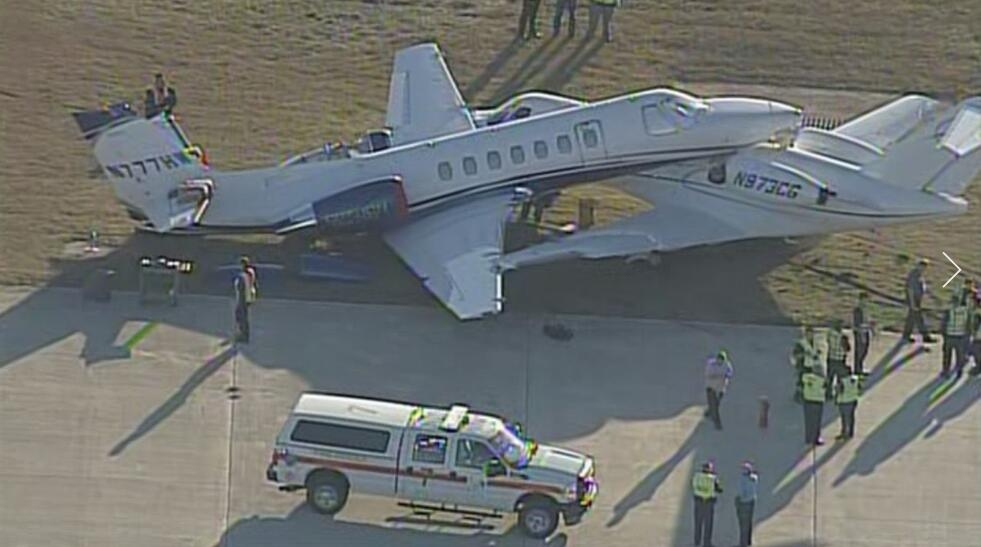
(512, 449)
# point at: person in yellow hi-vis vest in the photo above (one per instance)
(706, 488)
(848, 393)
(955, 326)
(814, 391)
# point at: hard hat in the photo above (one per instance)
(924, 262)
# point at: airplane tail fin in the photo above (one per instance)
(942, 154)
(149, 163)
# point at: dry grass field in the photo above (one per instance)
(260, 80)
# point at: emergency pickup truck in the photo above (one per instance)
(431, 459)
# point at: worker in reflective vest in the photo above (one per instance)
(838, 348)
(705, 487)
(849, 391)
(805, 358)
(976, 334)
(814, 392)
(955, 327)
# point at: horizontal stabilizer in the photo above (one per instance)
(942, 154)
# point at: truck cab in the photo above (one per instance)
(429, 459)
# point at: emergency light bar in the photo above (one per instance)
(176, 264)
(455, 418)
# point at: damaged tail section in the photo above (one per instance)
(941, 154)
(154, 170)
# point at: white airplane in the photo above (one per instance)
(908, 160)
(438, 185)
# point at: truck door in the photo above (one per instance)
(469, 461)
(425, 472)
(589, 136)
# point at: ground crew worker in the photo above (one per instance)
(976, 336)
(246, 291)
(848, 393)
(838, 348)
(160, 98)
(602, 9)
(528, 20)
(862, 331)
(746, 502)
(562, 6)
(915, 289)
(805, 357)
(955, 326)
(718, 372)
(814, 392)
(706, 487)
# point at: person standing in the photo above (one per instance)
(814, 392)
(862, 331)
(915, 289)
(805, 357)
(246, 291)
(561, 7)
(746, 502)
(838, 348)
(528, 20)
(718, 372)
(164, 98)
(975, 346)
(955, 326)
(706, 487)
(847, 395)
(602, 9)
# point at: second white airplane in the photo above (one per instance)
(438, 184)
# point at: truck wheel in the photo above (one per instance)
(538, 519)
(327, 492)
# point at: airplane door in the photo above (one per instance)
(589, 136)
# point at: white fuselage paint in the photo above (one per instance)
(624, 143)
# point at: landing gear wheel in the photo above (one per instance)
(538, 520)
(327, 493)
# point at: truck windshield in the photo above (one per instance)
(511, 449)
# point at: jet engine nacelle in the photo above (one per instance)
(376, 205)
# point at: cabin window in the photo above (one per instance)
(541, 150)
(656, 121)
(717, 173)
(429, 449)
(470, 165)
(471, 453)
(494, 160)
(341, 436)
(445, 170)
(517, 155)
(564, 144)
(589, 137)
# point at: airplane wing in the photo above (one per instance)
(455, 252)
(890, 122)
(423, 99)
(667, 227)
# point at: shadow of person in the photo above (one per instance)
(924, 409)
(557, 78)
(477, 85)
(532, 67)
(176, 400)
(303, 527)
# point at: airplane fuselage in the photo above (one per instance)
(621, 135)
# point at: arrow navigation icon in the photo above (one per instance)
(955, 265)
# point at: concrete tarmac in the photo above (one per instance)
(164, 440)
